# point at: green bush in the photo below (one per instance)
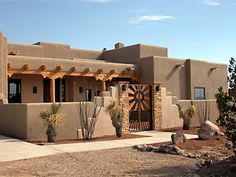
(227, 107)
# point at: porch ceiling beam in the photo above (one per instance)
(99, 74)
(110, 75)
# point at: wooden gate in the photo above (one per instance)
(140, 112)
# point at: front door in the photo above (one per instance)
(14, 90)
(140, 112)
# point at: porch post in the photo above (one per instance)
(52, 90)
(103, 86)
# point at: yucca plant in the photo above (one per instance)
(116, 113)
(187, 115)
(53, 118)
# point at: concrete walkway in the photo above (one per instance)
(13, 149)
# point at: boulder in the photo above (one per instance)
(178, 138)
(208, 130)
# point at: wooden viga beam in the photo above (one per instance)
(98, 74)
(86, 72)
(110, 75)
(25, 67)
(57, 73)
(9, 66)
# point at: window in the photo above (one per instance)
(199, 93)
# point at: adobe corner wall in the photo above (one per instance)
(3, 65)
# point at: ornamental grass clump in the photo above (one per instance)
(53, 119)
(187, 114)
(116, 113)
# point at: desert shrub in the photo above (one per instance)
(187, 114)
(227, 107)
(116, 113)
(53, 119)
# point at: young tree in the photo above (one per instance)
(227, 107)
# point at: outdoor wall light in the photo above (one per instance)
(123, 88)
(35, 90)
(213, 69)
(157, 88)
(179, 65)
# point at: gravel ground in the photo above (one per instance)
(113, 162)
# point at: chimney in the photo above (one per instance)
(119, 45)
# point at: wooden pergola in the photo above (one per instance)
(58, 72)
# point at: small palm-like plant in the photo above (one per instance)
(187, 115)
(53, 118)
(116, 113)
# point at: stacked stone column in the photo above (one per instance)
(156, 107)
(124, 101)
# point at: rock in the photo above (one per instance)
(208, 130)
(167, 149)
(178, 138)
(149, 148)
(170, 150)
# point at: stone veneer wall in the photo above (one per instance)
(157, 108)
(124, 101)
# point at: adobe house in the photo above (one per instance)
(147, 82)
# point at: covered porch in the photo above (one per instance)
(36, 80)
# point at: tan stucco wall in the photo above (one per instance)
(202, 76)
(52, 50)
(85, 54)
(23, 121)
(3, 65)
(26, 50)
(27, 84)
(132, 54)
(146, 70)
(180, 81)
(148, 50)
(129, 54)
(201, 109)
(13, 120)
(170, 113)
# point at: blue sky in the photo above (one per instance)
(198, 29)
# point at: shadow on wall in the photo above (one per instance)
(205, 110)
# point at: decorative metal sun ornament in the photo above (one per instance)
(139, 98)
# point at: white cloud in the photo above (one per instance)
(211, 2)
(150, 18)
(99, 1)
